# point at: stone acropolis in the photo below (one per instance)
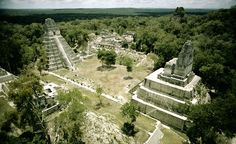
(166, 91)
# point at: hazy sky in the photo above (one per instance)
(116, 3)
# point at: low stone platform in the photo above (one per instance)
(165, 116)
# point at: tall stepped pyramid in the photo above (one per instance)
(164, 93)
(58, 51)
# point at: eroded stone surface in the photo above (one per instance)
(58, 51)
(179, 70)
(164, 94)
(101, 130)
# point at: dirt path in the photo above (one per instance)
(84, 86)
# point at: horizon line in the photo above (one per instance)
(108, 8)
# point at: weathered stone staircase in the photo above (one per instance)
(58, 51)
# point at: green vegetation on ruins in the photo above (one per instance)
(213, 36)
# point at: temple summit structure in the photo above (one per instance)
(59, 53)
(165, 93)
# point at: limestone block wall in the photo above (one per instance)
(53, 54)
(177, 81)
(5, 88)
(166, 88)
(6, 78)
(58, 51)
(50, 110)
(2, 72)
(164, 117)
(159, 100)
(183, 71)
(71, 54)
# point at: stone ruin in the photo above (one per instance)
(5, 77)
(165, 93)
(58, 51)
(110, 40)
(47, 100)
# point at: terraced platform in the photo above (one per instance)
(58, 51)
(167, 92)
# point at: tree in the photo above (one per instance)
(68, 124)
(107, 56)
(179, 11)
(100, 55)
(18, 45)
(128, 62)
(213, 75)
(158, 61)
(209, 120)
(24, 92)
(129, 111)
(125, 44)
(99, 92)
(42, 62)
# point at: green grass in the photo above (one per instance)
(143, 123)
(114, 84)
(171, 137)
(111, 81)
(183, 135)
(51, 78)
(113, 108)
(5, 108)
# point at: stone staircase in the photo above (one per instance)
(165, 116)
(71, 54)
(58, 51)
(160, 99)
(53, 54)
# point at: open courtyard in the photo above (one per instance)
(113, 83)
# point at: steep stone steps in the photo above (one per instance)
(160, 99)
(165, 116)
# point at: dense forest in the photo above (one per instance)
(27, 16)
(214, 40)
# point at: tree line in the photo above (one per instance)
(20, 45)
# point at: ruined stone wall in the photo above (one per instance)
(165, 88)
(6, 78)
(50, 110)
(158, 100)
(160, 115)
(176, 81)
(184, 62)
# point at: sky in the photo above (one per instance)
(20, 4)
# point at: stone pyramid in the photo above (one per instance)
(59, 53)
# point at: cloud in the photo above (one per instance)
(116, 3)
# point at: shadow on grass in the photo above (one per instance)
(129, 129)
(101, 105)
(105, 68)
(128, 78)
